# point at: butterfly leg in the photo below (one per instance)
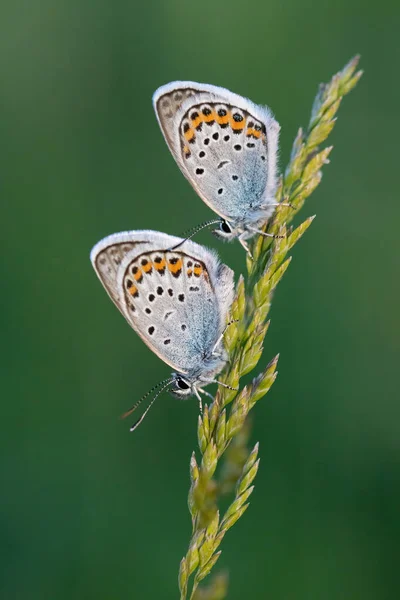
(199, 399)
(225, 385)
(206, 393)
(279, 204)
(245, 245)
(272, 235)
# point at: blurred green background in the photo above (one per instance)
(90, 511)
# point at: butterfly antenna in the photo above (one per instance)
(134, 407)
(136, 425)
(196, 230)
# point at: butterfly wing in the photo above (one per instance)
(177, 302)
(225, 145)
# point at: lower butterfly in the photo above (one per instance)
(226, 146)
(177, 301)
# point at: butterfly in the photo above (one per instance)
(226, 146)
(176, 301)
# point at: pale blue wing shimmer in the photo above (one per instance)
(225, 152)
(173, 307)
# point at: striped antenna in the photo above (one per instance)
(196, 230)
(134, 407)
(136, 425)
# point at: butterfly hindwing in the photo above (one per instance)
(225, 150)
(172, 305)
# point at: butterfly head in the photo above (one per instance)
(226, 231)
(184, 386)
(181, 387)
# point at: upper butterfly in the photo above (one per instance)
(226, 146)
(177, 302)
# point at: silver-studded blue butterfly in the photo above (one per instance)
(177, 301)
(226, 146)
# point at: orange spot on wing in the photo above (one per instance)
(174, 268)
(237, 125)
(211, 117)
(189, 272)
(198, 271)
(147, 268)
(138, 275)
(161, 265)
(196, 122)
(223, 120)
(189, 134)
(133, 290)
(253, 132)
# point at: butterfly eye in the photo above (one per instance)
(225, 227)
(181, 383)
